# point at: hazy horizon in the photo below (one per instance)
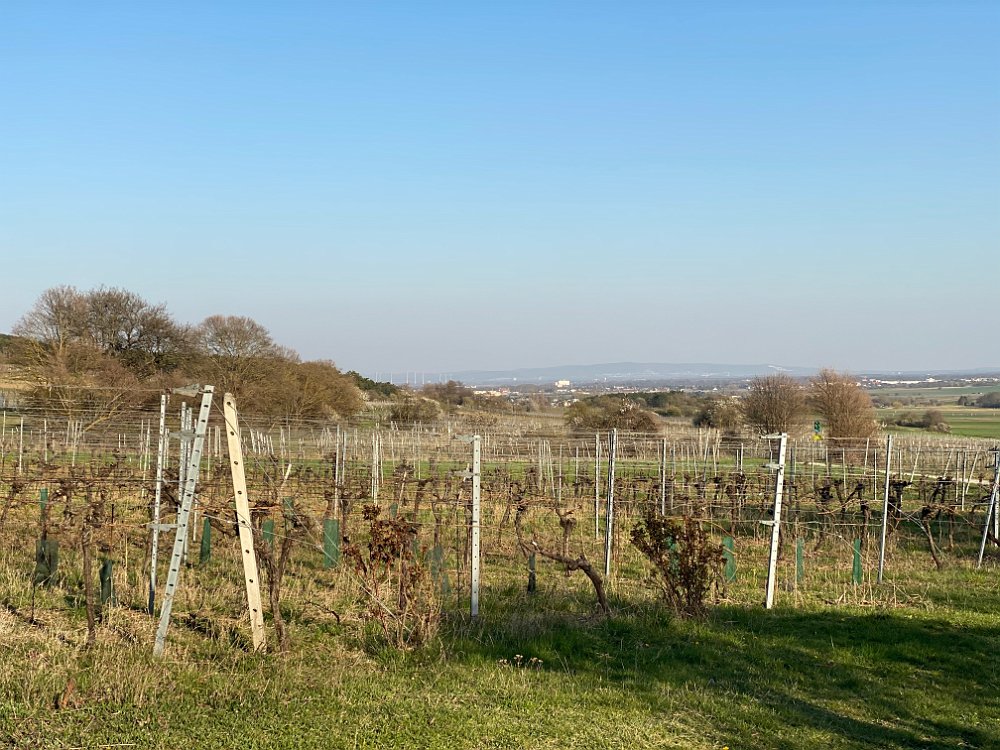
(418, 376)
(447, 187)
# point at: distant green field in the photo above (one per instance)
(964, 421)
(942, 394)
(974, 422)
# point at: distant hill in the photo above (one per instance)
(625, 373)
(644, 374)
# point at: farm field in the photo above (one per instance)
(943, 394)
(973, 422)
(966, 421)
(962, 420)
(842, 661)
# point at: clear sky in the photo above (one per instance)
(441, 186)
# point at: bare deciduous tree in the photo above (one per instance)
(846, 410)
(54, 323)
(775, 403)
(239, 353)
(68, 373)
(143, 337)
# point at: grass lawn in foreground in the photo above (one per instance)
(913, 665)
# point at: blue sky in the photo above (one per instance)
(442, 186)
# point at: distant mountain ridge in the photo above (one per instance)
(639, 373)
(625, 373)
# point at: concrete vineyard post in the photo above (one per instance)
(185, 436)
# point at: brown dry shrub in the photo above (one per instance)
(687, 565)
(398, 596)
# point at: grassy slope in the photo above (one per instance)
(924, 675)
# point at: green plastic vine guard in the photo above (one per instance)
(729, 553)
(856, 572)
(331, 542)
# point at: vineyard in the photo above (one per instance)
(381, 536)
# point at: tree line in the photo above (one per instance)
(89, 355)
(772, 404)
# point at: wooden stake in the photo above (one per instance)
(243, 521)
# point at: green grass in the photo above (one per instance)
(974, 422)
(964, 421)
(942, 394)
(899, 667)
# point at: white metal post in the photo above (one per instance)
(663, 478)
(597, 485)
(996, 516)
(186, 438)
(476, 477)
(187, 497)
(772, 565)
(991, 509)
(885, 506)
(609, 516)
(161, 446)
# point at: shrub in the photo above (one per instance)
(687, 565)
(932, 419)
(450, 394)
(605, 414)
(399, 597)
(411, 410)
(723, 414)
